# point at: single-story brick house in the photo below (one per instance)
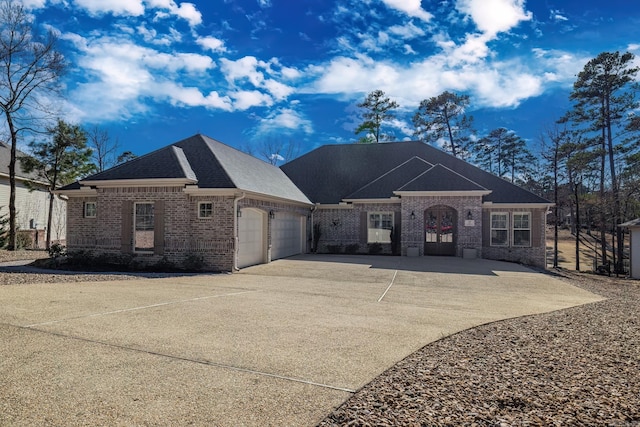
(201, 197)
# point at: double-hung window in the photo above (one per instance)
(379, 227)
(499, 229)
(205, 210)
(90, 209)
(521, 229)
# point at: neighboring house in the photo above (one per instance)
(32, 202)
(201, 197)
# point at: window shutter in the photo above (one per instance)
(84, 209)
(158, 227)
(486, 228)
(535, 228)
(364, 228)
(126, 244)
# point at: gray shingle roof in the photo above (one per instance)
(5, 157)
(385, 185)
(333, 173)
(210, 164)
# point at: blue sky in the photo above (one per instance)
(152, 72)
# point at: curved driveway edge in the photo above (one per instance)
(276, 344)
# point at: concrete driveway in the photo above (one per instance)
(277, 344)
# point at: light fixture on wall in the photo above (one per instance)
(335, 222)
(413, 215)
(469, 215)
(272, 215)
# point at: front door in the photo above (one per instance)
(440, 231)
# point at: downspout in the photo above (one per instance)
(236, 238)
(313, 209)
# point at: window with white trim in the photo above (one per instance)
(144, 227)
(499, 229)
(205, 210)
(90, 209)
(521, 229)
(379, 227)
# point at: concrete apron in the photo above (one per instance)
(277, 344)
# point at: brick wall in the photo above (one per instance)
(342, 227)
(534, 255)
(186, 236)
(467, 237)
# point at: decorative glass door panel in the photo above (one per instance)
(440, 231)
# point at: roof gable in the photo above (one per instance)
(441, 178)
(386, 184)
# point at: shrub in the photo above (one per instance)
(193, 262)
(334, 249)
(375, 248)
(56, 250)
(352, 248)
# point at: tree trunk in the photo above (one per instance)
(577, 197)
(11, 245)
(49, 220)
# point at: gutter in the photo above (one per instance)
(236, 237)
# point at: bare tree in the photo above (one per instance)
(277, 151)
(29, 67)
(106, 153)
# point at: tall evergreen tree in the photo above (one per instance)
(605, 95)
(60, 160)
(377, 109)
(444, 117)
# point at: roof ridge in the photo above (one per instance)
(184, 164)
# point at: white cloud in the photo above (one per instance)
(186, 11)
(490, 83)
(556, 15)
(260, 75)
(494, 16)
(125, 74)
(115, 7)
(245, 99)
(285, 119)
(410, 7)
(192, 97)
(211, 43)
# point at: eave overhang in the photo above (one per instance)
(80, 192)
(469, 193)
(160, 182)
(491, 205)
(387, 200)
(193, 190)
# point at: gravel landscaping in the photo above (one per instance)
(25, 275)
(579, 366)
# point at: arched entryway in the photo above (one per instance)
(441, 230)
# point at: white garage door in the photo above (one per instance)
(287, 231)
(250, 238)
